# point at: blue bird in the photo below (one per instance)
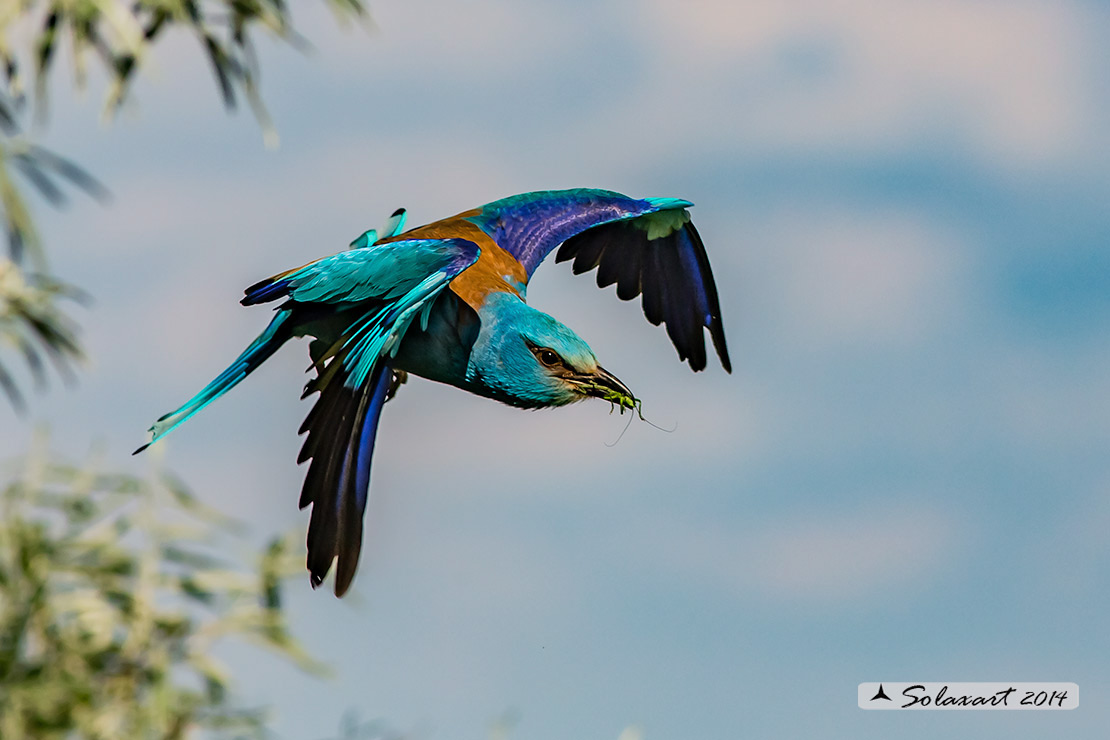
(446, 301)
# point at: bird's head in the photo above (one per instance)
(526, 358)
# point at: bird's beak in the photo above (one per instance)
(604, 385)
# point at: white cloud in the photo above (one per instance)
(1006, 79)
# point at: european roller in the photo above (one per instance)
(446, 301)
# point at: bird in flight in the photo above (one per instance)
(446, 301)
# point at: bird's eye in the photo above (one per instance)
(548, 357)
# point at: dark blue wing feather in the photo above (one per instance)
(645, 246)
(341, 427)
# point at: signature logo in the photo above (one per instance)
(967, 695)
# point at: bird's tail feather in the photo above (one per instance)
(258, 352)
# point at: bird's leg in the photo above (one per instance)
(400, 377)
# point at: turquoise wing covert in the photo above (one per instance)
(646, 247)
(380, 272)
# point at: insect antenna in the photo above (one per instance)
(621, 435)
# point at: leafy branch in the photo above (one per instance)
(111, 601)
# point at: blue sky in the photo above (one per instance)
(907, 476)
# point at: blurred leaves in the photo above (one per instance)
(32, 324)
(111, 601)
(116, 37)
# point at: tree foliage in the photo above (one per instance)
(116, 37)
(111, 600)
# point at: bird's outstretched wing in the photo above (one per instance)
(647, 247)
(380, 290)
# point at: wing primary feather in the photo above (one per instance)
(687, 307)
(628, 284)
(348, 511)
(674, 307)
(566, 251)
(670, 271)
(588, 255)
(713, 315)
(321, 485)
(357, 476)
(341, 428)
(610, 264)
(652, 285)
(265, 290)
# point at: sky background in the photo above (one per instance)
(906, 477)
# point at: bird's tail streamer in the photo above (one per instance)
(259, 350)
